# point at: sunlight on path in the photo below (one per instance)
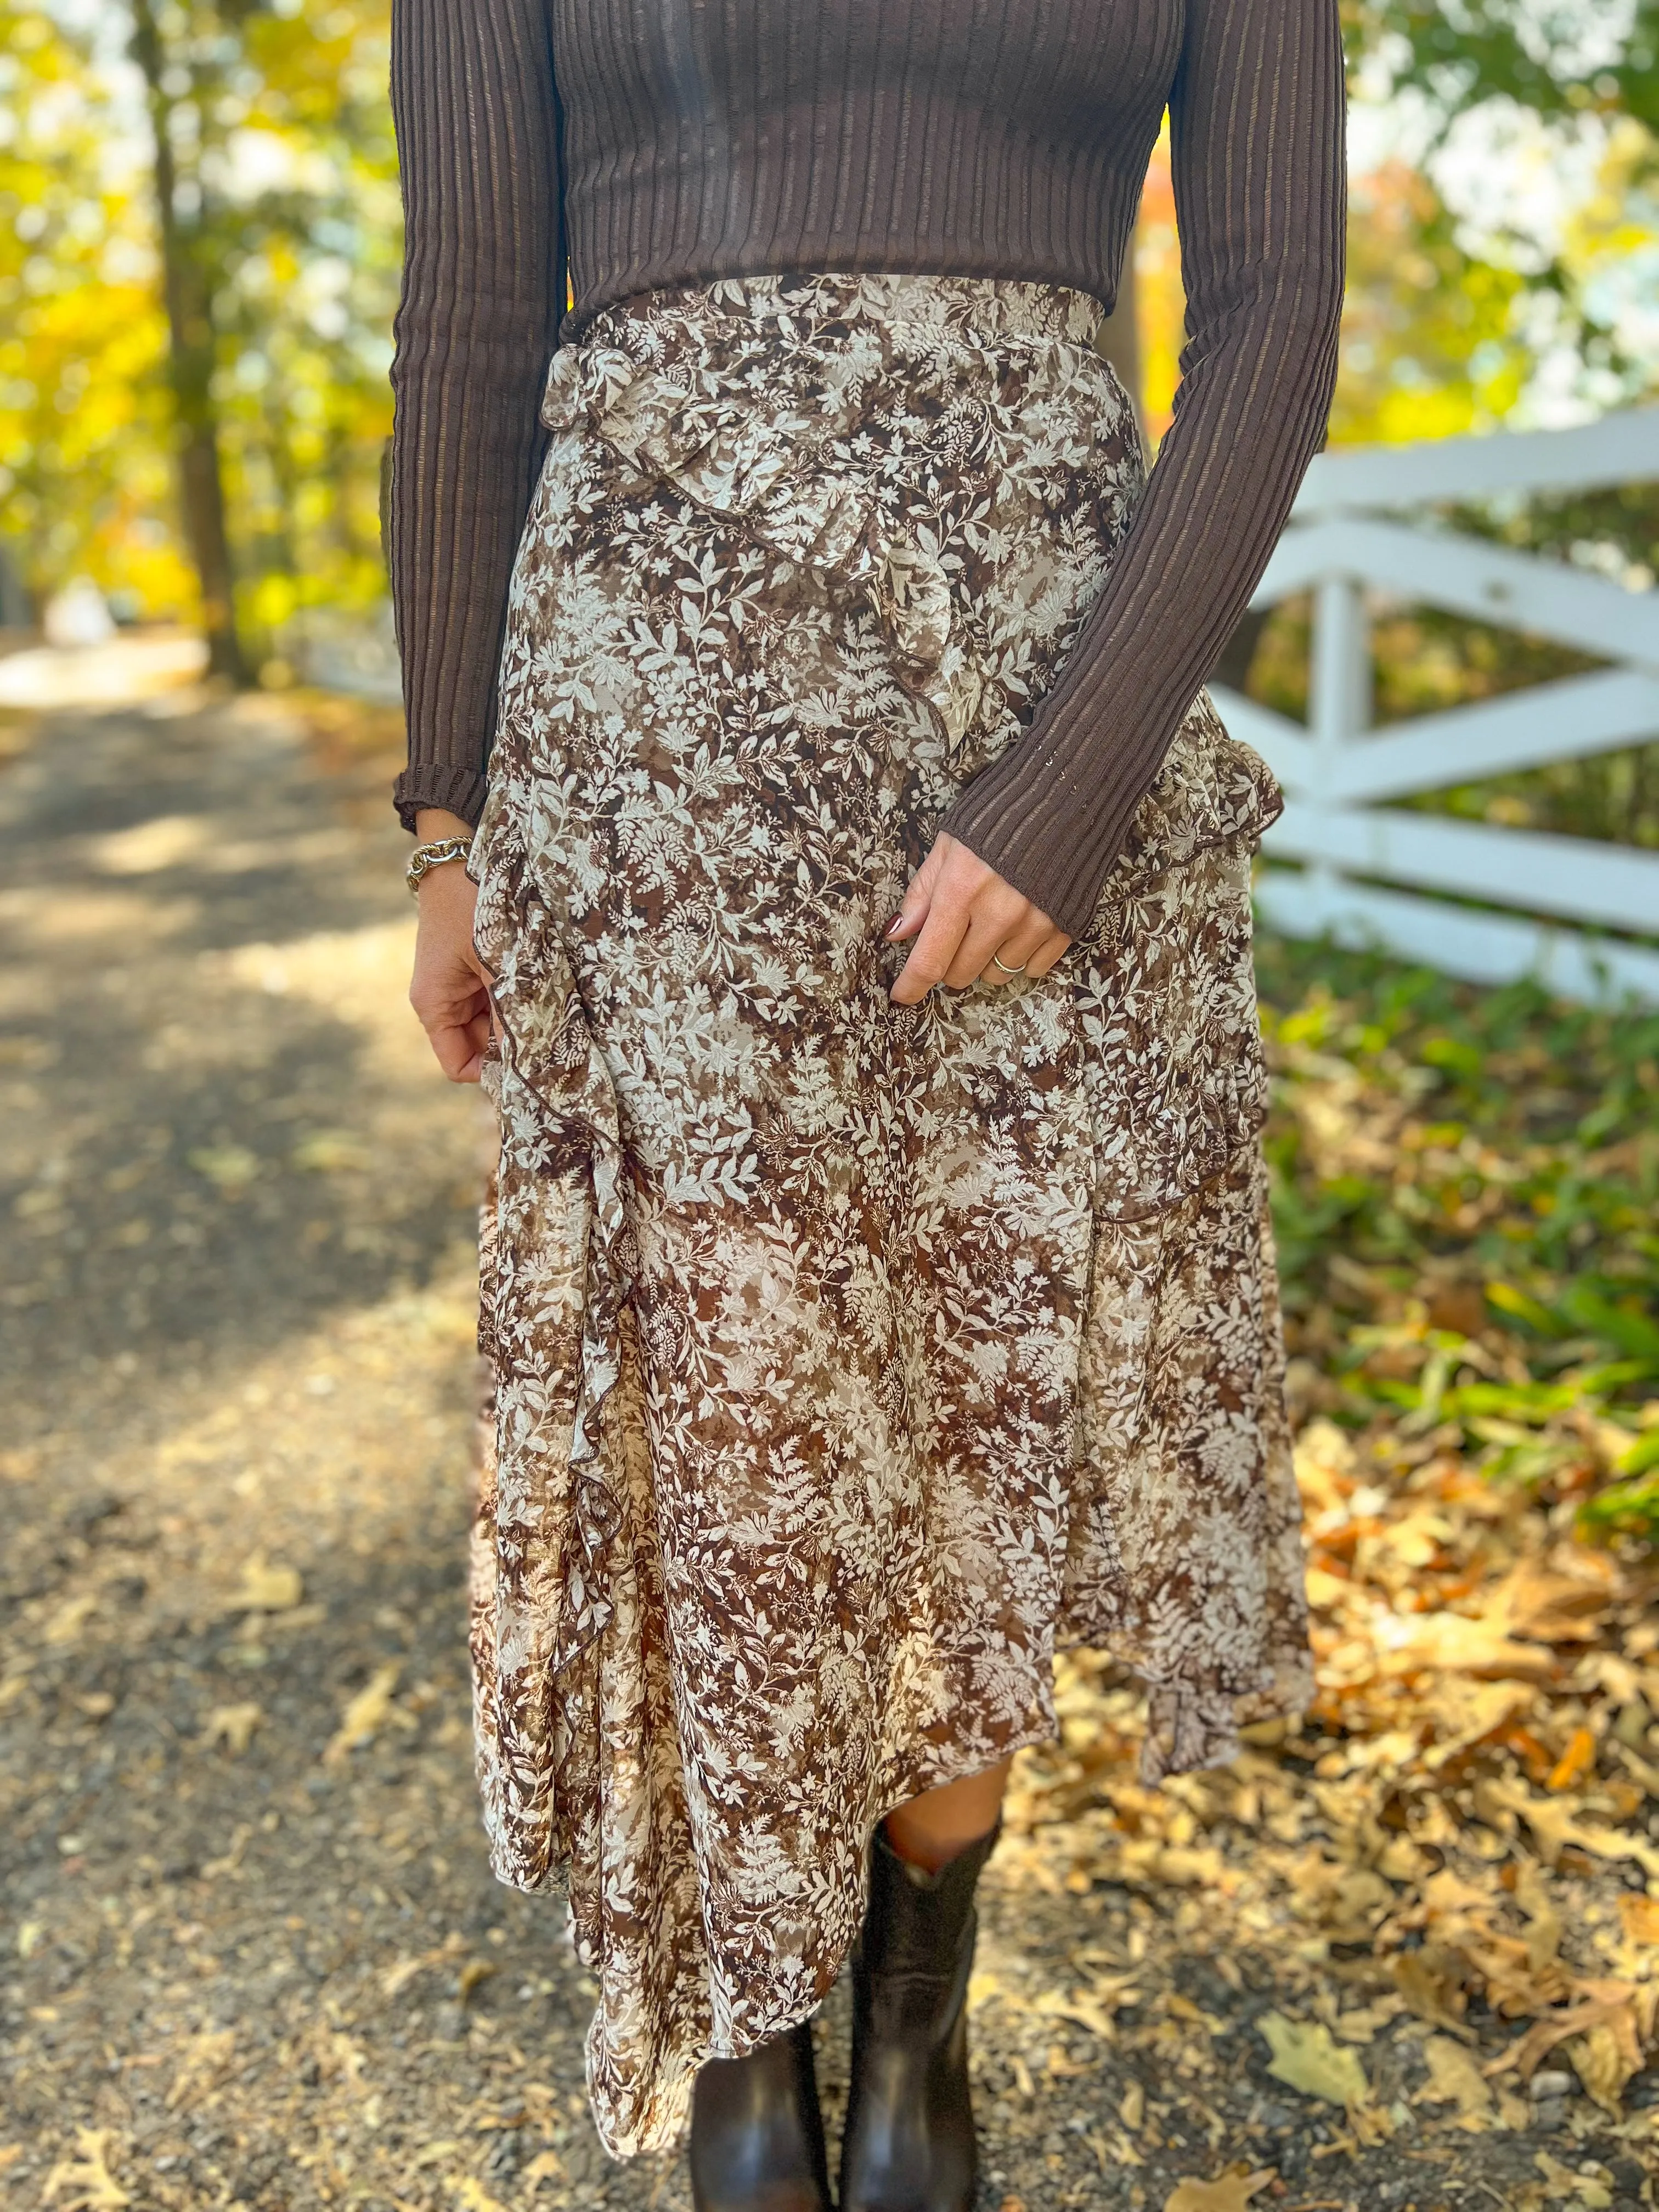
(125, 669)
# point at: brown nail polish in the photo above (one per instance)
(894, 926)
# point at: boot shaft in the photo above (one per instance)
(909, 2141)
(756, 2135)
(916, 1952)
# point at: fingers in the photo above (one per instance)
(957, 941)
(993, 922)
(1017, 950)
(922, 911)
(449, 989)
(1053, 946)
(918, 900)
(1032, 950)
(930, 957)
(960, 913)
(457, 1021)
(459, 1046)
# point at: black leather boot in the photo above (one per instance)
(756, 2132)
(909, 2141)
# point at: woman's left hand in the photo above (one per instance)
(965, 913)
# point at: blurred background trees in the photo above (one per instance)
(1504, 239)
(199, 237)
(198, 253)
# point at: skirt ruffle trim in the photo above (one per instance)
(547, 1065)
(1190, 1728)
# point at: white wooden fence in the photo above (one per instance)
(1355, 851)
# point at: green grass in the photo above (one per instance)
(1466, 1192)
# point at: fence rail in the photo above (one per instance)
(1341, 861)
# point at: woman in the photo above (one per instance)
(872, 1303)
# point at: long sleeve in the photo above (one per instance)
(476, 119)
(1256, 115)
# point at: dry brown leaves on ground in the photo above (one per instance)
(1459, 1840)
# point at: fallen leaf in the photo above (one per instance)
(1455, 2078)
(1554, 1823)
(475, 2197)
(328, 1151)
(1452, 1644)
(1432, 1994)
(1600, 2060)
(1093, 2011)
(1641, 1918)
(1562, 2182)
(228, 1861)
(1360, 2026)
(85, 2184)
(1544, 1929)
(229, 1168)
(206, 2060)
(266, 1588)
(365, 1715)
(1324, 1466)
(9, 2155)
(1604, 1843)
(1326, 1591)
(1541, 1602)
(65, 1626)
(396, 1979)
(1308, 2057)
(1624, 2009)
(1232, 2192)
(546, 2166)
(1642, 1772)
(1465, 1713)
(233, 1726)
(1575, 1762)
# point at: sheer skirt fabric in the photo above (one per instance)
(848, 1359)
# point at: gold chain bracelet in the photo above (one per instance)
(434, 855)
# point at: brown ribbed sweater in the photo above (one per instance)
(650, 142)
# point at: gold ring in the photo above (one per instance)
(1006, 969)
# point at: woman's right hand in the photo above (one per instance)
(450, 989)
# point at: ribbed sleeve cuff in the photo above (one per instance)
(434, 783)
(997, 818)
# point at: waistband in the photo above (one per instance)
(971, 310)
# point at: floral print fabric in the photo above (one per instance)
(848, 1356)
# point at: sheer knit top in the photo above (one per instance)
(623, 145)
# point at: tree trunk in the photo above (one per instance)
(191, 364)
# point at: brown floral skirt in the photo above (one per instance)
(848, 1356)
